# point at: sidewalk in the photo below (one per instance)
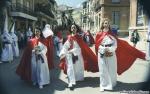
(141, 45)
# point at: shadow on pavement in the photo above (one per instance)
(129, 86)
(10, 82)
(88, 82)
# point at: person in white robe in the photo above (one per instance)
(39, 66)
(107, 64)
(58, 44)
(29, 34)
(15, 42)
(7, 53)
(75, 69)
(148, 41)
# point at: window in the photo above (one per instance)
(115, 1)
(116, 18)
(140, 17)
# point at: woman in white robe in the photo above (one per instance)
(107, 64)
(75, 69)
(58, 45)
(39, 66)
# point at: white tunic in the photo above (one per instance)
(107, 65)
(88, 39)
(7, 53)
(15, 45)
(39, 68)
(148, 45)
(29, 34)
(75, 71)
(58, 45)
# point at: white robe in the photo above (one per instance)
(39, 70)
(148, 45)
(15, 45)
(29, 34)
(58, 45)
(88, 39)
(7, 53)
(107, 65)
(75, 71)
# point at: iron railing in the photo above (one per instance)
(17, 7)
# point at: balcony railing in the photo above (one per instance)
(97, 7)
(17, 7)
(44, 9)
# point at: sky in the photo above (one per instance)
(72, 3)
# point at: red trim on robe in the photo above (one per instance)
(90, 59)
(126, 54)
(24, 68)
(50, 50)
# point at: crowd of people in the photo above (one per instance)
(113, 55)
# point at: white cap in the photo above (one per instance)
(29, 29)
(47, 31)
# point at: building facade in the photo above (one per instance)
(31, 13)
(46, 12)
(76, 15)
(23, 13)
(116, 10)
(138, 19)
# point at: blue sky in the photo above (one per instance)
(72, 3)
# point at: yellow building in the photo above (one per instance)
(118, 13)
(94, 11)
(138, 19)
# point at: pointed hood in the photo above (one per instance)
(13, 28)
(6, 23)
(47, 31)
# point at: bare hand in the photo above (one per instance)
(62, 56)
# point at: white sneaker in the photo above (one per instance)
(101, 90)
(41, 86)
(70, 85)
(74, 83)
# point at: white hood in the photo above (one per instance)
(6, 23)
(13, 28)
(47, 31)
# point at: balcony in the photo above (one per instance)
(20, 10)
(97, 7)
(46, 9)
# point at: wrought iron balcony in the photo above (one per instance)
(46, 9)
(97, 7)
(17, 7)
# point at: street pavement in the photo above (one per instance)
(130, 81)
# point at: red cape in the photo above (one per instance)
(24, 68)
(126, 54)
(90, 59)
(50, 50)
